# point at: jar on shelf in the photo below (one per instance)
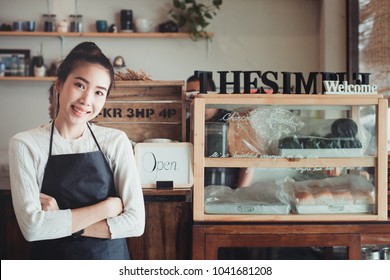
(21, 67)
(14, 65)
(76, 23)
(216, 139)
(49, 22)
(2, 69)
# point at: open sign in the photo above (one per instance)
(164, 162)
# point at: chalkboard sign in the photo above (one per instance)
(165, 162)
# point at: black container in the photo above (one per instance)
(126, 20)
(76, 23)
(49, 23)
(221, 176)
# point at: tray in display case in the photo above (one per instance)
(246, 208)
(336, 209)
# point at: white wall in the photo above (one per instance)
(278, 35)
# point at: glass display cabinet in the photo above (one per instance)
(289, 157)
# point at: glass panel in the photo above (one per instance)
(340, 190)
(376, 252)
(248, 131)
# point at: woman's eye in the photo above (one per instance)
(80, 85)
(101, 93)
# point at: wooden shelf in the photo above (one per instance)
(24, 78)
(367, 161)
(161, 35)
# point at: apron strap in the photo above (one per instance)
(94, 138)
(51, 137)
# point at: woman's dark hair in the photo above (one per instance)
(84, 52)
(210, 82)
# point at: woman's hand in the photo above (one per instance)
(48, 203)
(114, 206)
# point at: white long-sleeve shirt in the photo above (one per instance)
(28, 155)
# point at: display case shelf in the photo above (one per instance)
(288, 162)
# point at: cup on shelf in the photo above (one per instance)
(29, 26)
(63, 26)
(39, 71)
(126, 20)
(101, 26)
(2, 69)
(143, 25)
(17, 26)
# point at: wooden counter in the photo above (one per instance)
(208, 238)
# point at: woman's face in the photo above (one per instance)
(83, 94)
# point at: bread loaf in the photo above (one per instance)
(362, 197)
(304, 198)
(342, 198)
(242, 139)
(323, 197)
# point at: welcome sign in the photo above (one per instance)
(333, 87)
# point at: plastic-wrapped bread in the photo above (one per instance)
(362, 197)
(256, 131)
(304, 198)
(342, 198)
(242, 138)
(323, 197)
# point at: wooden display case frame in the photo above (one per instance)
(379, 161)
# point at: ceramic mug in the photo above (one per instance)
(17, 26)
(39, 71)
(101, 26)
(143, 25)
(29, 25)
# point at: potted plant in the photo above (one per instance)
(194, 17)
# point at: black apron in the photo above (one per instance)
(78, 180)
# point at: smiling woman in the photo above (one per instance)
(86, 90)
(75, 186)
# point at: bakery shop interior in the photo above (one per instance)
(266, 126)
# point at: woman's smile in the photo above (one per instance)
(80, 111)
